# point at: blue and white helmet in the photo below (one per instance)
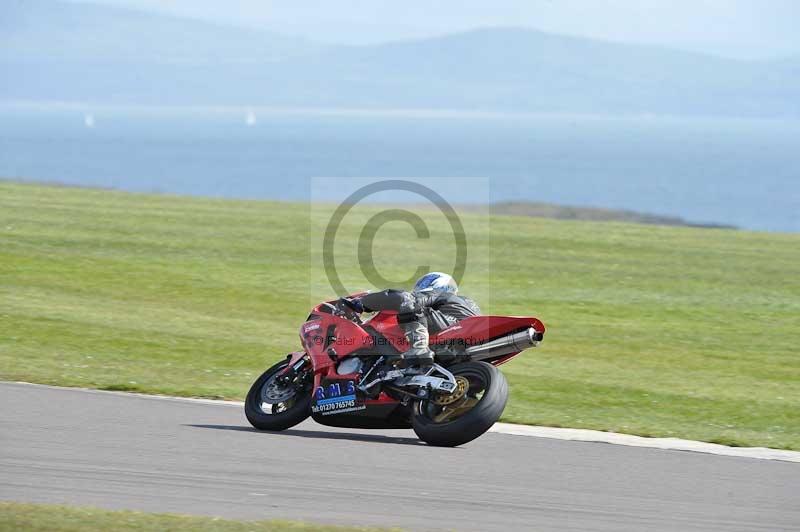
(436, 282)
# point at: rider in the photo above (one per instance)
(433, 305)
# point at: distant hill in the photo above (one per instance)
(563, 212)
(554, 211)
(515, 69)
(49, 31)
(51, 50)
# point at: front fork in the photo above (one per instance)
(297, 361)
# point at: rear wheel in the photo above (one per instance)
(274, 404)
(477, 403)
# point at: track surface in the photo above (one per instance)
(128, 452)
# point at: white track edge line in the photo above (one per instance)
(583, 435)
(672, 444)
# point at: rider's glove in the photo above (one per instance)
(423, 301)
(353, 304)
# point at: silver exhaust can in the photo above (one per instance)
(505, 345)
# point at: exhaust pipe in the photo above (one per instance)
(506, 345)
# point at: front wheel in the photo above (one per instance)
(273, 404)
(477, 403)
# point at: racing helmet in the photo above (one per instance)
(436, 282)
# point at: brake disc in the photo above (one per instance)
(462, 386)
(275, 392)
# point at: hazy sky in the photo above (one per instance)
(739, 28)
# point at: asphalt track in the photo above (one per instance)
(160, 455)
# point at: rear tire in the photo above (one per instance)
(281, 416)
(475, 421)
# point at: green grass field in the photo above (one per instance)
(51, 518)
(660, 331)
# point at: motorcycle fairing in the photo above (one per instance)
(328, 338)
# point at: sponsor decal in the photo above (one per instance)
(311, 327)
(336, 397)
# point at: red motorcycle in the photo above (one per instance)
(345, 376)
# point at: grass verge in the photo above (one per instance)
(52, 518)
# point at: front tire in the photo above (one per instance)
(484, 400)
(272, 406)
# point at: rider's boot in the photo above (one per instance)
(420, 353)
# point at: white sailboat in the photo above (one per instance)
(88, 120)
(250, 119)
